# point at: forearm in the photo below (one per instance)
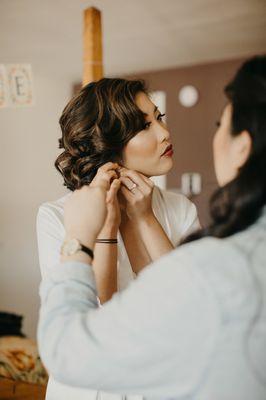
(137, 253)
(104, 348)
(154, 237)
(105, 266)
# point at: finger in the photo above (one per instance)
(120, 169)
(137, 179)
(135, 192)
(128, 183)
(132, 187)
(108, 166)
(112, 192)
(147, 180)
(110, 174)
(106, 177)
(116, 185)
(127, 194)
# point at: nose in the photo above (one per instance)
(163, 132)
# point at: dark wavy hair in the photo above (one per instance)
(238, 204)
(96, 125)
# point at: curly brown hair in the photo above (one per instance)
(96, 125)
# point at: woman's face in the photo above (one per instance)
(230, 152)
(144, 152)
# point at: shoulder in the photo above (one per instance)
(175, 200)
(182, 213)
(219, 250)
(220, 263)
(50, 233)
(52, 212)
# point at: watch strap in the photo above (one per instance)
(87, 250)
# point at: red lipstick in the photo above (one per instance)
(168, 151)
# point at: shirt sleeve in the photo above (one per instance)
(156, 338)
(50, 235)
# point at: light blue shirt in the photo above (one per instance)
(191, 326)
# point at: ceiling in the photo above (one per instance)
(139, 35)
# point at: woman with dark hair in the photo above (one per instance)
(111, 128)
(207, 338)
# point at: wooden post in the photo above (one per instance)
(92, 46)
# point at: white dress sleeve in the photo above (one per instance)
(191, 221)
(181, 214)
(50, 235)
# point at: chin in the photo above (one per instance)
(167, 167)
(159, 169)
(162, 170)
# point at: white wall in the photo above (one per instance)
(28, 143)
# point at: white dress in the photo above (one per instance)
(176, 214)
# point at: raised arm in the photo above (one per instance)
(50, 235)
(184, 220)
(137, 191)
(51, 232)
(143, 221)
(105, 254)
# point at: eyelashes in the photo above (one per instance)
(147, 125)
(159, 118)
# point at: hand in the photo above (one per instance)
(86, 210)
(113, 216)
(137, 191)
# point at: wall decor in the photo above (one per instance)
(188, 96)
(16, 86)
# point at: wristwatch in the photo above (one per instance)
(72, 246)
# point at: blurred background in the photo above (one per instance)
(186, 50)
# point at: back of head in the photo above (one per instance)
(96, 125)
(238, 204)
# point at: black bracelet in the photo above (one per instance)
(106, 241)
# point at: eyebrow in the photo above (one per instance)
(154, 111)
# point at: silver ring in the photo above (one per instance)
(133, 187)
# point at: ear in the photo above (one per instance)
(243, 146)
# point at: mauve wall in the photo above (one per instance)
(192, 128)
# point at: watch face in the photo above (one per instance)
(70, 247)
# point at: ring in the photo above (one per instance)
(133, 187)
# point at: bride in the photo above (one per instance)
(111, 127)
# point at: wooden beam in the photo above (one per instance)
(92, 46)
